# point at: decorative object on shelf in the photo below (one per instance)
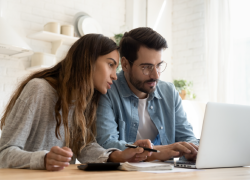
(53, 27)
(56, 40)
(42, 60)
(89, 25)
(85, 24)
(67, 30)
(79, 24)
(184, 88)
(117, 38)
(75, 21)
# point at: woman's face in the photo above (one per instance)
(105, 71)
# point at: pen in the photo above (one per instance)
(147, 149)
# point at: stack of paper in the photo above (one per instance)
(145, 166)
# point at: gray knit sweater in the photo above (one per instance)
(29, 131)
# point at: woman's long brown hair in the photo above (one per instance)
(73, 80)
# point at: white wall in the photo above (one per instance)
(188, 44)
(182, 24)
(145, 13)
(28, 16)
(159, 17)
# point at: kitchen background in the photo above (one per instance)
(181, 22)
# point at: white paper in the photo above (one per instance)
(145, 166)
(173, 171)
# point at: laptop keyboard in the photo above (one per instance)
(186, 162)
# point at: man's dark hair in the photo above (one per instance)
(142, 36)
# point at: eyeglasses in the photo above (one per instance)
(148, 69)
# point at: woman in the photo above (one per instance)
(50, 119)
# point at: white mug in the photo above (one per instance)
(67, 30)
(53, 27)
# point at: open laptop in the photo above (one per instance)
(225, 137)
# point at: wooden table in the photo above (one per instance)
(72, 172)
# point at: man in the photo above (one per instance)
(140, 106)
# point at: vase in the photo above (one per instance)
(183, 94)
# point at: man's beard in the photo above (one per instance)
(139, 84)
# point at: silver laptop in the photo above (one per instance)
(225, 137)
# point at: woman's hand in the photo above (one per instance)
(132, 154)
(57, 158)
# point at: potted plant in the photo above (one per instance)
(184, 88)
(117, 39)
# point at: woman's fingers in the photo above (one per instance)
(57, 163)
(67, 149)
(61, 151)
(58, 158)
(54, 168)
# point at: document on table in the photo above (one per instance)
(175, 170)
(145, 166)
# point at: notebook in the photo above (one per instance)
(141, 166)
(145, 166)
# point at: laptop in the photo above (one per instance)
(225, 137)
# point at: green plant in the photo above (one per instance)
(118, 38)
(185, 85)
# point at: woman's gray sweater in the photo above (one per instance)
(29, 131)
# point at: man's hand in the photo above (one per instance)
(178, 149)
(132, 154)
(57, 158)
(192, 156)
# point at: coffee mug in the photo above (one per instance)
(67, 30)
(53, 27)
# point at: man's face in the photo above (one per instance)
(146, 58)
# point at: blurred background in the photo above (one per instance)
(208, 53)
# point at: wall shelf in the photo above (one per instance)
(56, 39)
(35, 68)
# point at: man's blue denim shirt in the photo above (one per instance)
(118, 119)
